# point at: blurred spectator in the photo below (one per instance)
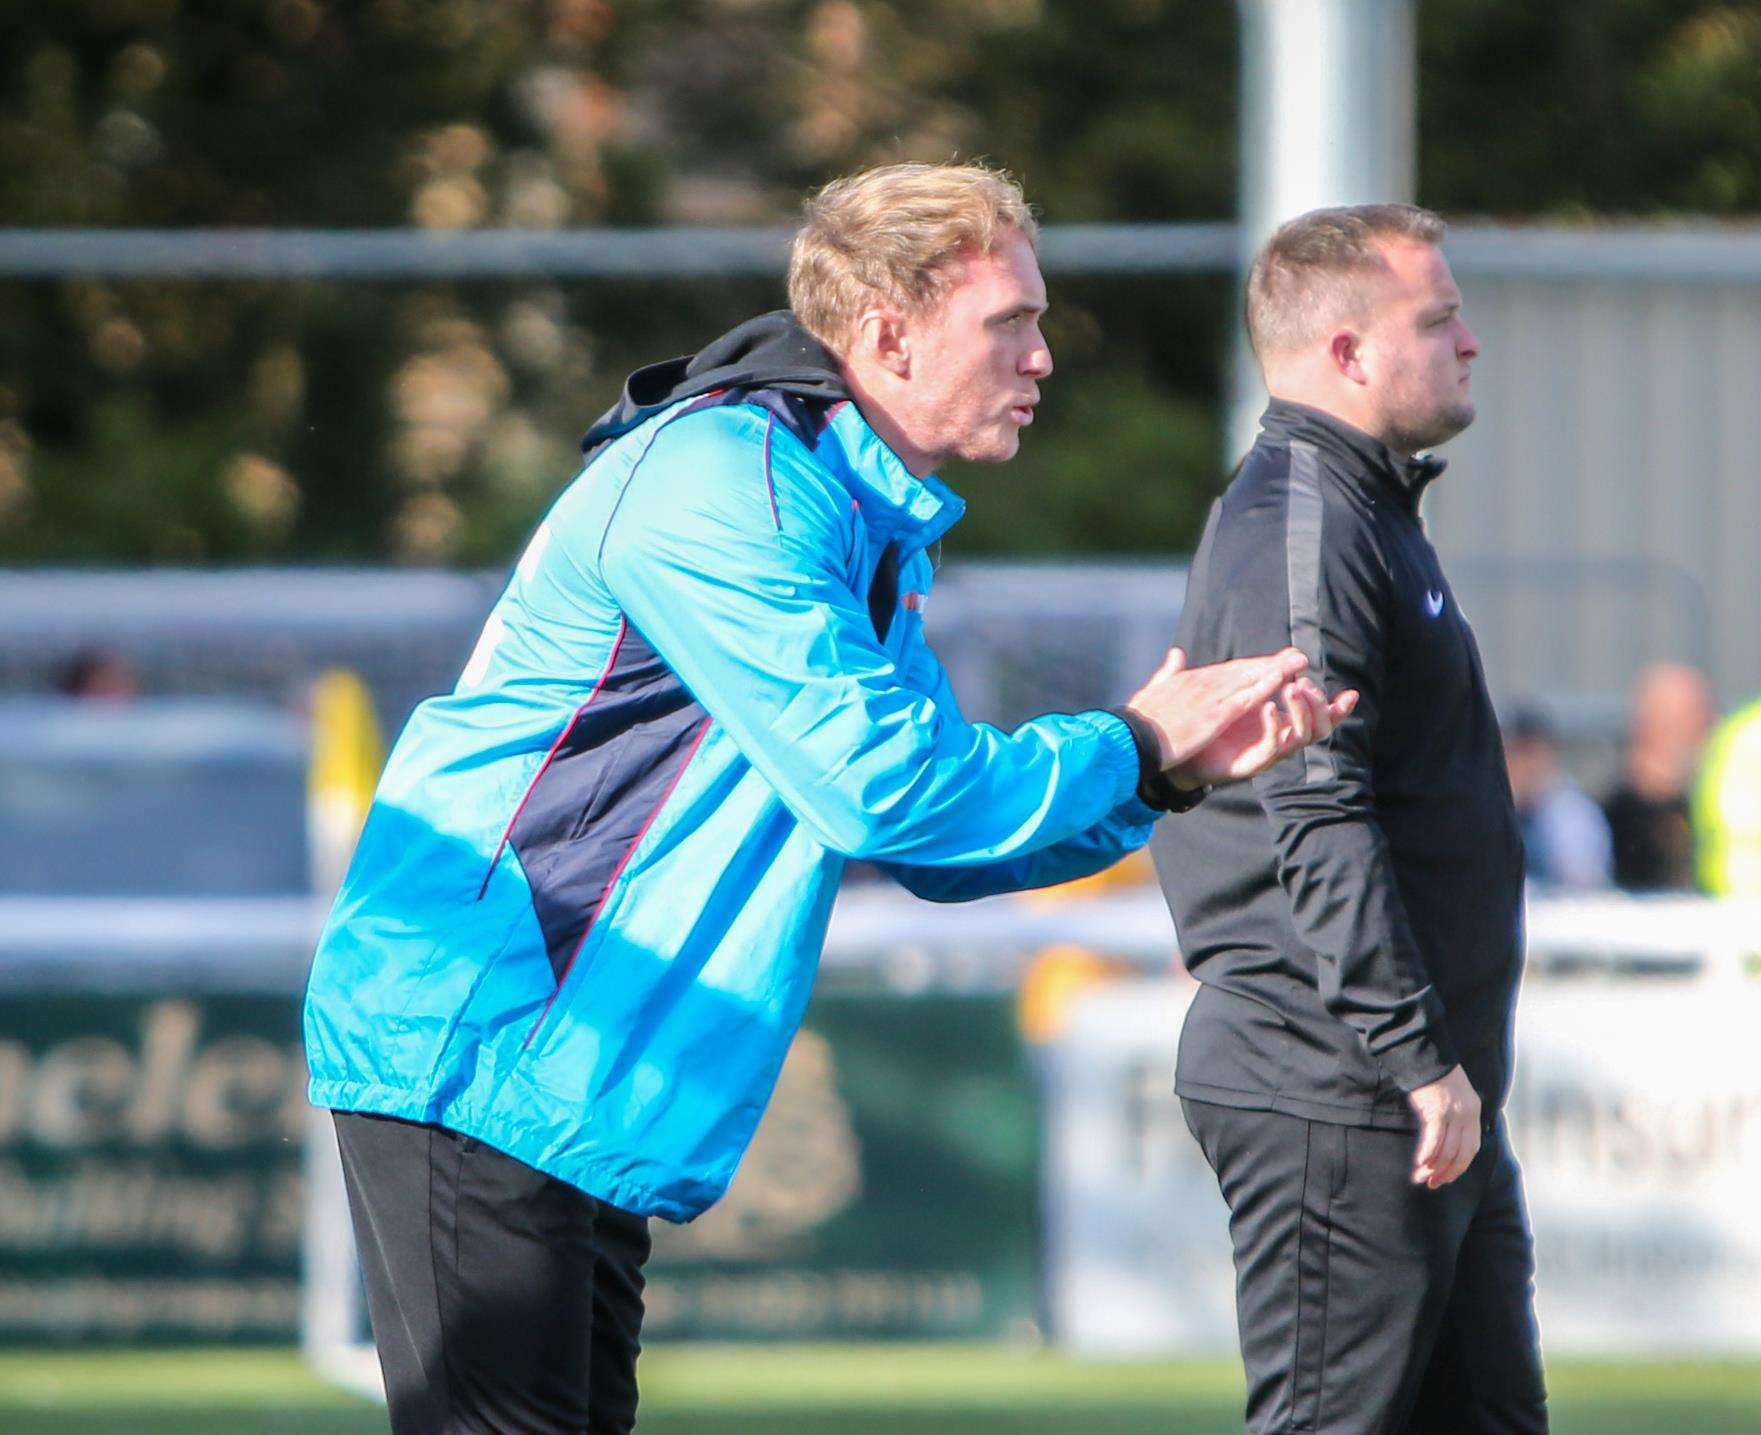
(1565, 836)
(1647, 811)
(1727, 807)
(99, 676)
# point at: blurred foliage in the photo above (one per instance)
(431, 423)
(1608, 107)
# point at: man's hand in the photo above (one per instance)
(1218, 723)
(1449, 1129)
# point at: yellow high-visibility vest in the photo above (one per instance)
(1727, 807)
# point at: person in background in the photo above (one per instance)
(1727, 807)
(1647, 810)
(98, 675)
(1566, 844)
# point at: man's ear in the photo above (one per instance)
(883, 338)
(1345, 352)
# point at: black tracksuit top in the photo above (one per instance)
(1354, 915)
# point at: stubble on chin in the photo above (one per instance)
(1436, 428)
(1452, 422)
(998, 449)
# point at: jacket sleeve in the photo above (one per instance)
(1315, 578)
(734, 558)
(1121, 831)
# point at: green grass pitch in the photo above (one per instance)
(815, 1390)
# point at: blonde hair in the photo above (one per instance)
(1309, 275)
(892, 235)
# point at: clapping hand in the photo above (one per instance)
(1225, 722)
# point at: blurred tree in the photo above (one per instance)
(432, 422)
(1606, 107)
(168, 421)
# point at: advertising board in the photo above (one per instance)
(1636, 1116)
(153, 1179)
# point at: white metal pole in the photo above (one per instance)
(1327, 117)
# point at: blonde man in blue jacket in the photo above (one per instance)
(584, 917)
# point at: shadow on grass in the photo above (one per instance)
(195, 1422)
(1122, 1420)
(1575, 1418)
(1599, 1418)
(1578, 1420)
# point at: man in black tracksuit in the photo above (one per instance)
(1354, 916)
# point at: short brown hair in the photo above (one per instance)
(1308, 274)
(893, 234)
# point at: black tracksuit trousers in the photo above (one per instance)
(1368, 1305)
(502, 1299)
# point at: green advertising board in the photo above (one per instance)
(152, 1180)
(892, 1189)
(150, 1171)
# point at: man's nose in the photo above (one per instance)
(1036, 363)
(1468, 346)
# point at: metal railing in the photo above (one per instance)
(1698, 253)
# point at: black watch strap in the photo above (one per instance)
(1156, 788)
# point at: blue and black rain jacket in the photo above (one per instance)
(585, 913)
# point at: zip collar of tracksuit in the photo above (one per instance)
(774, 362)
(1366, 459)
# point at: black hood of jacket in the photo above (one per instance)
(772, 351)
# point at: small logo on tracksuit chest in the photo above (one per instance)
(1434, 602)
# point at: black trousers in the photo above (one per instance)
(502, 1299)
(1368, 1305)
